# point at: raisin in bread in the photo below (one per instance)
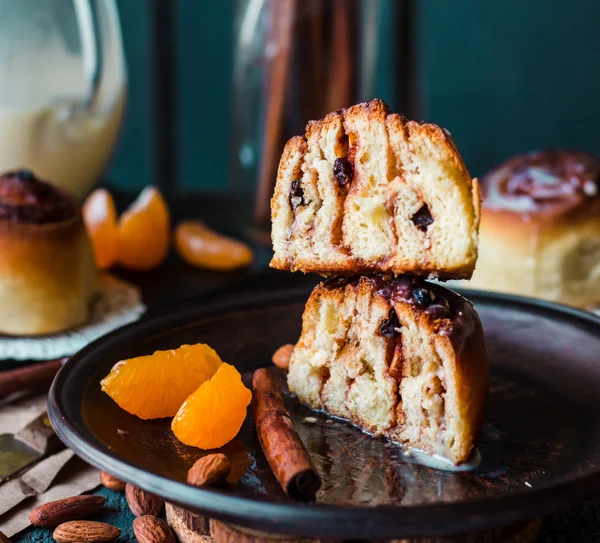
(398, 357)
(366, 190)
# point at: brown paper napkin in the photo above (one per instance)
(58, 476)
(77, 477)
(19, 413)
(33, 482)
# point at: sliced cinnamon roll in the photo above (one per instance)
(47, 270)
(398, 357)
(366, 190)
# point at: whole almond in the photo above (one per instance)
(54, 513)
(151, 529)
(281, 357)
(85, 530)
(3, 538)
(141, 502)
(111, 482)
(208, 470)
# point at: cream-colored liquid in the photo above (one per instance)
(46, 128)
(434, 461)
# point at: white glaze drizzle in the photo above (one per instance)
(435, 461)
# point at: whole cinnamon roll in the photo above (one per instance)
(47, 270)
(540, 227)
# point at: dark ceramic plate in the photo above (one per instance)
(540, 446)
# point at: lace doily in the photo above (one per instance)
(115, 304)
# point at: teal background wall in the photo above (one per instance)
(131, 166)
(503, 76)
(509, 76)
(204, 42)
(206, 45)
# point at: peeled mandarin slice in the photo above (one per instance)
(152, 200)
(143, 233)
(213, 415)
(200, 246)
(156, 385)
(100, 217)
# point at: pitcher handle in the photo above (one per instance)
(91, 48)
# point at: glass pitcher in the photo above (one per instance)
(62, 88)
(295, 61)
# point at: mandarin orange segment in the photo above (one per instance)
(100, 217)
(156, 385)
(200, 246)
(143, 232)
(213, 415)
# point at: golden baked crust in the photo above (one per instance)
(540, 228)
(47, 269)
(399, 357)
(366, 190)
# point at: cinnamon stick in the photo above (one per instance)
(343, 51)
(29, 378)
(280, 442)
(308, 75)
(280, 32)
